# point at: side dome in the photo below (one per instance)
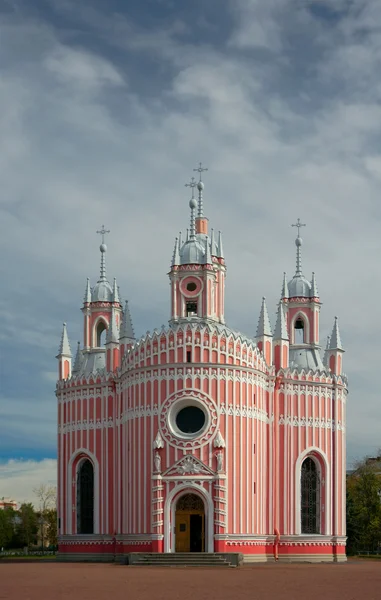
(299, 286)
(102, 292)
(192, 252)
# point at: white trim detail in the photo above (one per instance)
(170, 510)
(87, 455)
(327, 500)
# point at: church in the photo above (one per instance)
(195, 437)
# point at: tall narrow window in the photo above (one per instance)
(85, 498)
(189, 356)
(299, 337)
(310, 497)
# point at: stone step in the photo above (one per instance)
(181, 559)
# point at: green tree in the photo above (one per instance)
(364, 507)
(7, 526)
(27, 524)
(51, 522)
(47, 500)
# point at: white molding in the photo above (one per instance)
(170, 510)
(327, 500)
(87, 455)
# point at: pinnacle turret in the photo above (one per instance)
(176, 254)
(314, 290)
(64, 349)
(126, 329)
(335, 341)
(280, 331)
(326, 351)
(213, 243)
(78, 360)
(264, 327)
(208, 255)
(87, 297)
(112, 332)
(115, 292)
(220, 252)
(285, 293)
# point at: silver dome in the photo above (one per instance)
(102, 292)
(192, 252)
(299, 286)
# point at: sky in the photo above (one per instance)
(105, 109)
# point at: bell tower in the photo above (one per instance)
(198, 270)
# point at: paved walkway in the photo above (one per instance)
(355, 580)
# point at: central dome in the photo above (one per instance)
(102, 292)
(299, 286)
(192, 252)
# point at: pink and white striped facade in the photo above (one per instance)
(269, 403)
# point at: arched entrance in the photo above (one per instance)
(190, 524)
(85, 498)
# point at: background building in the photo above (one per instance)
(196, 437)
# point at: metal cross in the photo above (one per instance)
(200, 170)
(102, 232)
(192, 185)
(298, 224)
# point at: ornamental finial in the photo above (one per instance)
(192, 206)
(103, 249)
(298, 243)
(200, 186)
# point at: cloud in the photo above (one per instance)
(20, 477)
(104, 123)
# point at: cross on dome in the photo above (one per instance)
(200, 169)
(192, 184)
(298, 224)
(103, 231)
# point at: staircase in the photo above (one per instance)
(181, 559)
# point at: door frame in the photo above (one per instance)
(170, 516)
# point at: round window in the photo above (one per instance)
(191, 286)
(190, 419)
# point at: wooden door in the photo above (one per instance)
(182, 532)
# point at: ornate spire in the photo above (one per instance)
(78, 360)
(314, 289)
(280, 331)
(126, 329)
(115, 292)
(298, 243)
(285, 293)
(176, 254)
(335, 342)
(220, 251)
(103, 249)
(192, 206)
(87, 297)
(264, 327)
(112, 332)
(64, 349)
(200, 187)
(180, 240)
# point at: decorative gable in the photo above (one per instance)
(188, 465)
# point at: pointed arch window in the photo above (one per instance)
(85, 498)
(299, 331)
(310, 497)
(101, 334)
